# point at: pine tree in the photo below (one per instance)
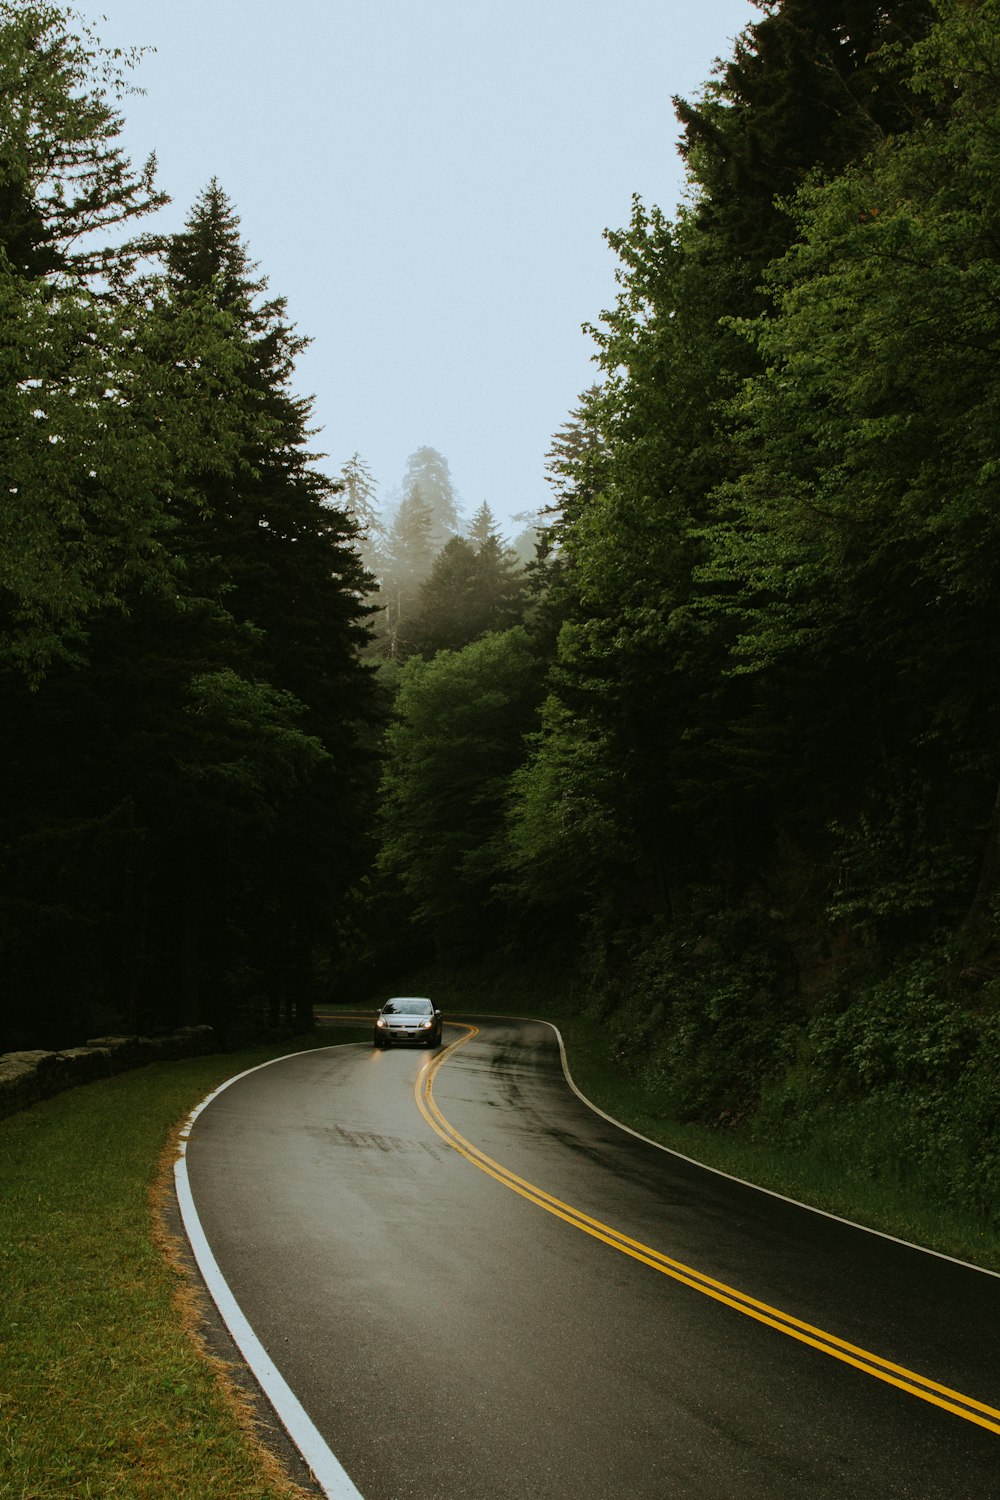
(409, 557)
(428, 471)
(483, 527)
(448, 613)
(268, 546)
(90, 439)
(67, 190)
(360, 498)
(475, 587)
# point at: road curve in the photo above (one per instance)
(478, 1287)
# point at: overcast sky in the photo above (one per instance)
(427, 182)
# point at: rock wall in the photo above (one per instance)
(26, 1077)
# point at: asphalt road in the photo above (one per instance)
(480, 1288)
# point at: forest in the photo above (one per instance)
(722, 744)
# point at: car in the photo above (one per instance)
(409, 1020)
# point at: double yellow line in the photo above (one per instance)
(827, 1343)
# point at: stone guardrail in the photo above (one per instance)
(27, 1077)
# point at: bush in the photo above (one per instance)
(903, 1083)
(707, 1019)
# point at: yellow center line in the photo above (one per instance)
(875, 1365)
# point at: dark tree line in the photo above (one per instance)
(187, 725)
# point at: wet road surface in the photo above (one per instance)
(480, 1288)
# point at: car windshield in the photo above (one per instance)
(407, 1008)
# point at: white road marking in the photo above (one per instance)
(328, 1472)
(821, 1213)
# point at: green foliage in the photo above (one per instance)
(249, 750)
(460, 719)
(910, 1077)
(65, 184)
(563, 835)
(703, 1012)
(889, 868)
(474, 588)
(811, 87)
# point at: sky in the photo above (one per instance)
(428, 184)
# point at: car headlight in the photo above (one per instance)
(381, 1021)
(426, 1025)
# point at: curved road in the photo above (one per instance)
(478, 1287)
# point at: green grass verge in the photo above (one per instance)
(102, 1391)
(832, 1174)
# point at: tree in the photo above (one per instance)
(409, 557)
(573, 462)
(644, 628)
(449, 610)
(455, 741)
(475, 586)
(217, 717)
(89, 426)
(483, 528)
(501, 585)
(427, 470)
(65, 183)
(360, 496)
(857, 547)
(267, 544)
(811, 87)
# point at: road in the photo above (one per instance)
(479, 1288)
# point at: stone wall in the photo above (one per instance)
(26, 1077)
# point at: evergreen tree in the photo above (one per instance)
(483, 527)
(92, 436)
(474, 587)
(67, 190)
(361, 501)
(448, 614)
(267, 544)
(811, 87)
(501, 586)
(572, 464)
(211, 812)
(427, 470)
(409, 557)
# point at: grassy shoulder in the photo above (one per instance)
(103, 1391)
(844, 1168)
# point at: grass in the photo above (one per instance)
(103, 1391)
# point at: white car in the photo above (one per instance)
(410, 1020)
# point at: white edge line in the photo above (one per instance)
(328, 1472)
(968, 1265)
